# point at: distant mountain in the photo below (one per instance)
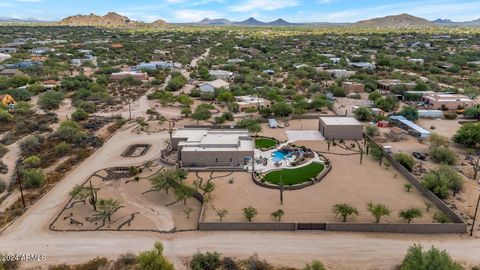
(207, 21)
(395, 21)
(9, 19)
(158, 23)
(280, 22)
(251, 22)
(448, 22)
(111, 19)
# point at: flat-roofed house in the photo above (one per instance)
(221, 74)
(203, 147)
(341, 128)
(440, 101)
(125, 74)
(251, 102)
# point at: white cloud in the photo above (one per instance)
(192, 15)
(267, 5)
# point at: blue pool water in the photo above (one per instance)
(279, 155)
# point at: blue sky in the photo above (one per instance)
(291, 10)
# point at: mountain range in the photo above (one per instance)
(116, 20)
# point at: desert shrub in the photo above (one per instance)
(125, 261)
(468, 135)
(315, 265)
(205, 261)
(33, 178)
(50, 100)
(417, 259)
(443, 154)
(95, 264)
(254, 262)
(5, 116)
(450, 115)
(372, 130)
(441, 180)
(32, 162)
(409, 112)
(405, 160)
(79, 115)
(3, 151)
(62, 149)
(375, 151)
(30, 145)
(441, 217)
(3, 186)
(363, 114)
(71, 132)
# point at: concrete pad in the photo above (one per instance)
(304, 135)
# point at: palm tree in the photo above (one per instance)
(278, 215)
(344, 210)
(107, 207)
(165, 180)
(378, 211)
(410, 214)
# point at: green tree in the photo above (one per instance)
(33, 178)
(206, 261)
(373, 96)
(79, 115)
(441, 217)
(50, 100)
(315, 265)
(282, 109)
(201, 114)
(433, 259)
(378, 211)
(154, 259)
(249, 213)
(405, 160)
(80, 193)
(389, 103)
(344, 210)
(165, 180)
(410, 214)
(221, 213)
(363, 114)
(107, 207)
(468, 135)
(183, 193)
(409, 112)
(443, 155)
(185, 100)
(278, 214)
(71, 132)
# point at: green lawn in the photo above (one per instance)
(265, 143)
(295, 176)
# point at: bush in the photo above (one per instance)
(79, 115)
(50, 100)
(443, 154)
(30, 145)
(5, 116)
(33, 178)
(3, 186)
(468, 135)
(372, 130)
(450, 115)
(441, 180)
(405, 160)
(71, 132)
(363, 114)
(315, 265)
(62, 149)
(409, 112)
(3, 151)
(205, 261)
(417, 259)
(32, 162)
(125, 261)
(375, 151)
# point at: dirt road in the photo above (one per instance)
(30, 234)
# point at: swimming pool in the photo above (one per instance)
(280, 155)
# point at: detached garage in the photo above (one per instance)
(341, 128)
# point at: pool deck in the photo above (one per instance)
(271, 164)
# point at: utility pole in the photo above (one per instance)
(20, 184)
(282, 187)
(129, 109)
(475, 215)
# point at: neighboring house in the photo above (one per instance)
(125, 74)
(24, 65)
(341, 128)
(88, 58)
(157, 65)
(50, 84)
(212, 148)
(340, 73)
(409, 126)
(416, 61)
(363, 65)
(209, 87)
(269, 71)
(221, 74)
(388, 85)
(354, 87)
(235, 61)
(40, 51)
(440, 101)
(4, 56)
(10, 73)
(251, 102)
(8, 50)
